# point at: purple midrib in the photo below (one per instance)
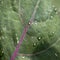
(24, 32)
(20, 42)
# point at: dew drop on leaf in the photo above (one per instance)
(39, 38)
(56, 12)
(56, 54)
(34, 44)
(51, 17)
(35, 22)
(17, 41)
(53, 32)
(29, 23)
(17, 38)
(2, 52)
(55, 9)
(23, 57)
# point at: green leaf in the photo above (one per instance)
(42, 41)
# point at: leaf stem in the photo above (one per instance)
(24, 32)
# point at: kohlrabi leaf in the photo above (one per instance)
(42, 40)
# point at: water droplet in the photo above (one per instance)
(34, 44)
(17, 41)
(51, 17)
(56, 54)
(35, 22)
(23, 57)
(56, 12)
(39, 38)
(2, 52)
(29, 23)
(53, 32)
(55, 9)
(17, 38)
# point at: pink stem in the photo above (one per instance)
(20, 42)
(24, 32)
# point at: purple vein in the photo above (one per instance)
(24, 32)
